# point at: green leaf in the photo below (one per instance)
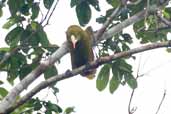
(25, 9)
(11, 76)
(34, 26)
(137, 8)
(43, 39)
(17, 60)
(35, 11)
(50, 71)
(15, 6)
(103, 77)
(124, 66)
(52, 48)
(168, 50)
(48, 112)
(9, 23)
(24, 71)
(114, 3)
(166, 12)
(1, 12)
(34, 40)
(114, 83)
(83, 13)
(27, 68)
(74, 3)
(14, 36)
(124, 13)
(3, 92)
(42, 36)
(127, 38)
(116, 71)
(38, 51)
(131, 81)
(4, 49)
(37, 105)
(95, 4)
(15, 63)
(55, 90)
(1, 82)
(48, 3)
(53, 107)
(30, 1)
(125, 47)
(24, 40)
(69, 110)
(101, 19)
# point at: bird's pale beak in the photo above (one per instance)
(73, 40)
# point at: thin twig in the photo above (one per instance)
(161, 102)
(50, 15)
(131, 111)
(154, 68)
(45, 16)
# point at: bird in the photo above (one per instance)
(80, 48)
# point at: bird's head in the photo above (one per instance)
(74, 34)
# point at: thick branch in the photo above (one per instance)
(116, 29)
(94, 64)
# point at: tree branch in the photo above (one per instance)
(132, 110)
(107, 23)
(94, 64)
(164, 95)
(119, 27)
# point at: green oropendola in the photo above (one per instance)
(80, 49)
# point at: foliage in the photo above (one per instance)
(83, 9)
(37, 105)
(28, 42)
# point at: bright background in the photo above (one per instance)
(82, 93)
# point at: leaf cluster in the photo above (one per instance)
(121, 75)
(28, 43)
(38, 106)
(150, 29)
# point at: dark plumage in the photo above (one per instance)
(80, 49)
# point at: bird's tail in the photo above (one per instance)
(90, 74)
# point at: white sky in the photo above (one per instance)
(82, 93)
